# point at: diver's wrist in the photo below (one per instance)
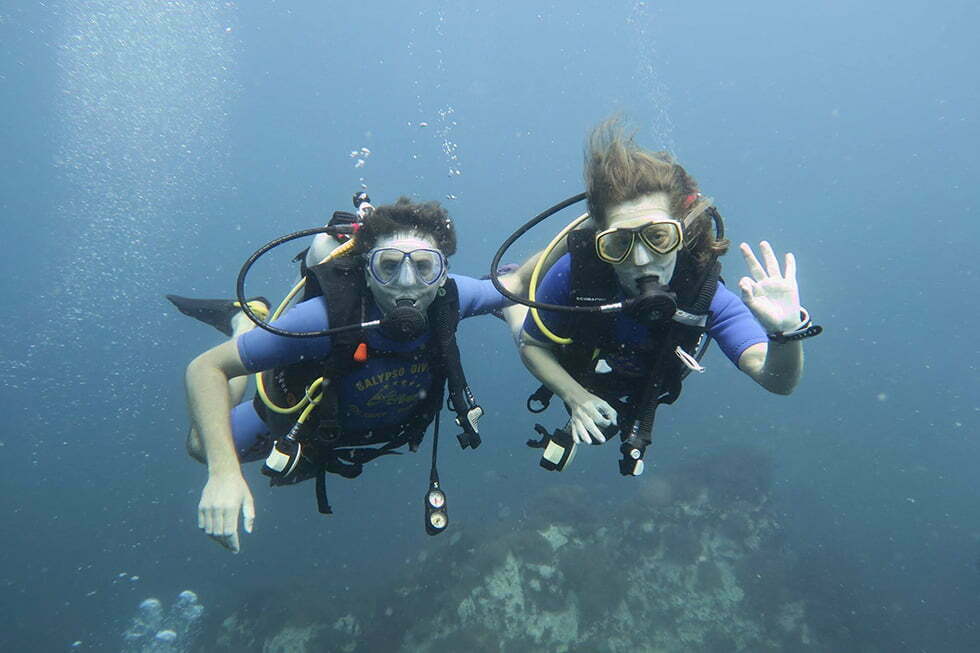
(222, 470)
(792, 320)
(572, 395)
(804, 328)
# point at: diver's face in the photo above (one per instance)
(642, 262)
(399, 281)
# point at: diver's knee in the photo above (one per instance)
(195, 448)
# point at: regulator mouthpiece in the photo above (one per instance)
(656, 302)
(405, 322)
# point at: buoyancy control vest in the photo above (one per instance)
(593, 282)
(327, 446)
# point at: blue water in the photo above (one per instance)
(148, 147)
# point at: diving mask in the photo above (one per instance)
(661, 236)
(385, 264)
(405, 272)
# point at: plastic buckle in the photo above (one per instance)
(470, 437)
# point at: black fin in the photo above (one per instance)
(216, 312)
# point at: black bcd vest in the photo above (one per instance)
(594, 283)
(342, 284)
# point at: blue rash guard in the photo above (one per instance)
(730, 322)
(384, 391)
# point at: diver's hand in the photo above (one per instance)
(217, 513)
(589, 414)
(772, 295)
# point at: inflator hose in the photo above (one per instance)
(494, 266)
(243, 273)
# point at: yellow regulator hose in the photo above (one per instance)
(536, 274)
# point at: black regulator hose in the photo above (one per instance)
(243, 302)
(712, 212)
(495, 278)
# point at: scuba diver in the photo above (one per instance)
(355, 370)
(635, 295)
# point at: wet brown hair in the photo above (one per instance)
(425, 219)
(617, 170)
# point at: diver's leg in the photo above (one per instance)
(219, 313)
(226, 316)
(249, 432)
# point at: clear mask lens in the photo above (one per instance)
(614, 245)
(662, 237)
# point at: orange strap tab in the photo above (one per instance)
(360, 354)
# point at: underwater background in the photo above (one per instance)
(148, 147)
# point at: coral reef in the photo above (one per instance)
(692, 560)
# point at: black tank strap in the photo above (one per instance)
(445, 319)
(322, 503)
(349, 462)
(342, 285)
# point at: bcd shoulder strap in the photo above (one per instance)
(444, 318)
(593, 280)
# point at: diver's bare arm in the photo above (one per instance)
(520, 279)
(773, 296)
(540, 360)
(517, 282)
(776, 367)
(209, 402)
(225, 496)
(588, 414)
